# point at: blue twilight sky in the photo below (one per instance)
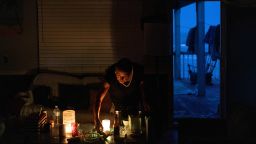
(188, 15)
(188, 20)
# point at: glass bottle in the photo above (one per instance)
(140, 122)
(43, 124)
(116, 124)
(56, 115)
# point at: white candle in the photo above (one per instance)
(106, 125)
(68, 119)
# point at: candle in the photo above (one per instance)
(68, 119)
(68, 128)
(106, 125)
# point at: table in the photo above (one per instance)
(25, 136)
(110, 140)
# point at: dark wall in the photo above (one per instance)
(240, 75)
(18, 52)
(158, 63)
(157, 87)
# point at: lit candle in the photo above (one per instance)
(106, 125)
(68, 119)
(68, 128)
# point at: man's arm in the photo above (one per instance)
(99, 100)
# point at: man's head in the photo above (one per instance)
(123, 70)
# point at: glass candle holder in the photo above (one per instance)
(106, 125)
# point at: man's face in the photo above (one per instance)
(122, 77)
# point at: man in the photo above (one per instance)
(124, 83)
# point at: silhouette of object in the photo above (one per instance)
(191, 40)
(212, 38)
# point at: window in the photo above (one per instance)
(75, 36)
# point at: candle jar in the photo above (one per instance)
(106, 125)
(135, 124)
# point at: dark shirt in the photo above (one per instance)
(125, 98)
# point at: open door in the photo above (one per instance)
(196, 57)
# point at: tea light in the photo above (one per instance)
(106, 125)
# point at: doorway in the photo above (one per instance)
(196, 60)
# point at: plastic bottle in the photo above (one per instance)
(56, 115)
(116, 124)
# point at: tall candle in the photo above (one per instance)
(68, 119)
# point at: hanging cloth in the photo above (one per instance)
(212, 38)
(191, 40)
